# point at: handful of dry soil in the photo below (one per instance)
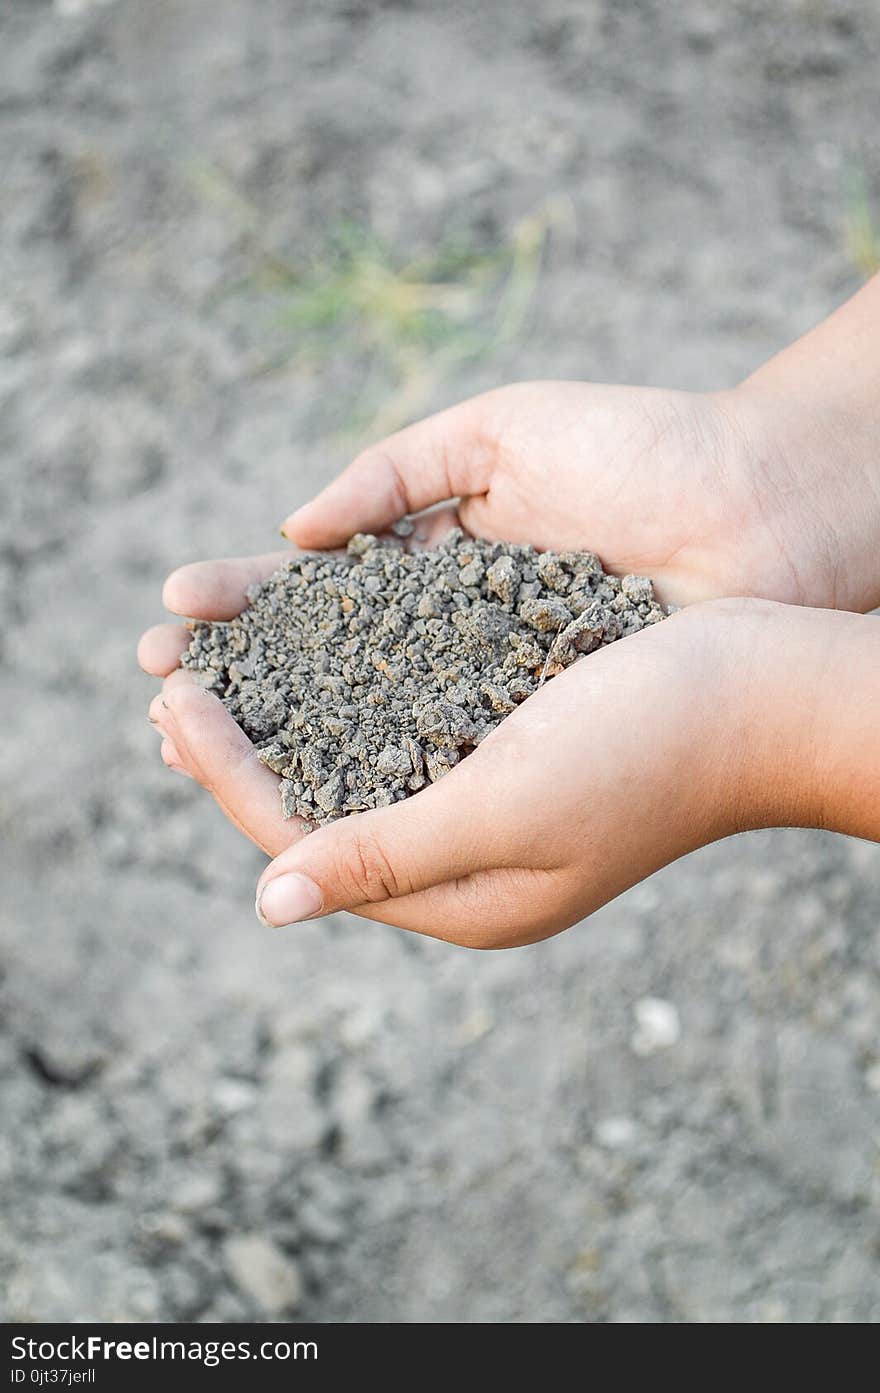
(363, 676)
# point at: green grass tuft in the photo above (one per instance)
(862, 227)
(404, 323)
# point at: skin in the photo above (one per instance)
(730, 715)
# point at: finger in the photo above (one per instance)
(220, 756)
(450, 830)
(218, 589)
(429, 529)
(499, 908)
(442, 457)
(181, 676)
(171, 756)
(159, 649)
(158, 708)
(157, 712)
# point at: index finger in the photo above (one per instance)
(443, 457)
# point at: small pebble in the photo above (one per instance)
(658, 1026)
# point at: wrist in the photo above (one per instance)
(809, 465)
(839, 749)
(745, 757)
(811, 416)
(799, 717)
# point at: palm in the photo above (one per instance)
(638, 475)
(650, 480)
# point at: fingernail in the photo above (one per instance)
(287, 899)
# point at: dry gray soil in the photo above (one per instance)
(362, 677)
(668, 1114)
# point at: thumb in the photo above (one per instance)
(445, 456)
(444, 833)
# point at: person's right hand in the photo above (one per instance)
(727, 716)
(614, 768)
(712, 495)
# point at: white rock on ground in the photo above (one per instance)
(263, 1273)
(657, 1026)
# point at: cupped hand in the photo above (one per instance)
(732, 493)
(623, 763)
(716, 494)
